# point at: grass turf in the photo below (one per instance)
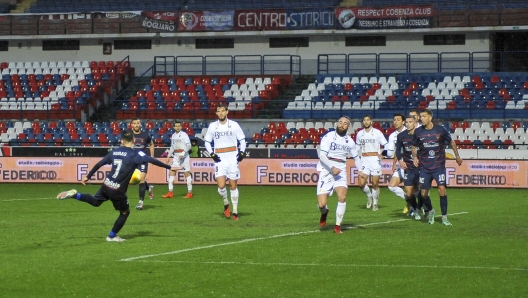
(187, 248)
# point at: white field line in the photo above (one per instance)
(261, 238)
(343, 265)
(32, 199)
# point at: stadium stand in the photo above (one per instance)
(467, 95)
(300, 134)
(197, 97)
(57, 89)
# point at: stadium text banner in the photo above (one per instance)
(206, 20)
(393, 17)
(256, 171)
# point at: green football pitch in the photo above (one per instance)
(187, 248)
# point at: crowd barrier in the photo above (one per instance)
(256, 171)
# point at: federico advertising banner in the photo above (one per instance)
(394, 17)
(256, 171)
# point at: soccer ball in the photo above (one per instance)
(136, 177)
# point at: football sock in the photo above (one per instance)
(171, 183)
(120, 222)
(146, 185)
(340, 212)
(223, 194)
(142, 189)
(88, 198)
(112, 234)
(234, 200)
(419, 205)
(397, 191)
(189, 183)
(324, 209)
(427, 203)
(375, 196)
(366, 190)
(411, 201)
(443, 204)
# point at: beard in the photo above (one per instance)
(340, 131)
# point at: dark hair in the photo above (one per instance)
(222, 105)
(367, 115)
(399, 115)
(413, 110)
(127, 135)
(176, 122)
(134, 119)
(427, 111)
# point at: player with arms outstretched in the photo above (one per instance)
(229, 149)
(336, 146)
(124, 161)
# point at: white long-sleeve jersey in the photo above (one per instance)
(180, 144)
(226, 138)
(370, 142)
(334, 150)
(391, 145)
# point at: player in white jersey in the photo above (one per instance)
(229, 149)
(398, 172)
(335, 147)
(370, 139)
(179, 150)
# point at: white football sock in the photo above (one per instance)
(234, 200)
(397, 191)
(340, 212)
(189, 183)
(366, 190)
(223, 194)
(375, 196)
(171, 183)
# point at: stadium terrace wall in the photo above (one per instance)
(293, 172)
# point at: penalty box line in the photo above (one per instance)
(261, 238)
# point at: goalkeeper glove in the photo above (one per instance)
(215, 157)
(240, 156)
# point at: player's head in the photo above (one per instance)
(127, 137)
(410, 123)
(221, 112)
(398, 120)
(426, 116)
(367, 121)
(342, 125)
(177, 126)
(136, 125)
(416, 116)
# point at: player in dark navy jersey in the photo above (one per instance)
(124, 161)
(142, 141)
(403, 150)
(429, 154)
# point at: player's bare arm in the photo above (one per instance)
(416, 162)
(455, 150)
